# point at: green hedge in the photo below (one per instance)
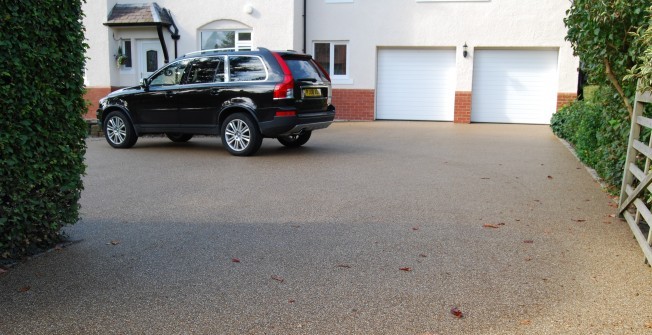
(598, 129)
(41, 127)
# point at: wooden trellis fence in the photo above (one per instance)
(637, 178)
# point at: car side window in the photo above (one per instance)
(206, 70)
(170, 75)
(246, 68)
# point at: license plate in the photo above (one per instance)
(311, 92)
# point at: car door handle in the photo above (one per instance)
(169, 94)
(215, 91)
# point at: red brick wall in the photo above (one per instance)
(462, 107)
(564, 99)
(354, 104)
(93, 96)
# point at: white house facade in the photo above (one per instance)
(502, 61)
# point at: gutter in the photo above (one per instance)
(175, 33)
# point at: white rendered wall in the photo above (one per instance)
(274, 25)
(370, 24)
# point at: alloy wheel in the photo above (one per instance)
(238, 135)
(116, 130)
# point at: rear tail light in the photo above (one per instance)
(285, 113)
(284, 90)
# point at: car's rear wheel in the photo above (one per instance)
(240, 135)
(118, 130)
(179, 138)
(294, 141)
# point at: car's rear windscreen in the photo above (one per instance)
(305, 69)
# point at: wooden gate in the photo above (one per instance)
(637, 178)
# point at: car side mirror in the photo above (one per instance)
(143, 83)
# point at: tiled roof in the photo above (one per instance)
(144, 14)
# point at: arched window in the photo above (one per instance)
(225, 34)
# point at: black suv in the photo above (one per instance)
(243, 96)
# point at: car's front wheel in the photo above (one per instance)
(118, 130)
(179, 138)
(294, 141)
(240, 135)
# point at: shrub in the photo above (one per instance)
(598, 129)
(41, 129)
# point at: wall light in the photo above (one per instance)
(466, 51)
(248, 9)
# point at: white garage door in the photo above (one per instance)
(416, 84)
(514, 86)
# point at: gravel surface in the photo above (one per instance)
(371, 228)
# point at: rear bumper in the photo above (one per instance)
(288, 125)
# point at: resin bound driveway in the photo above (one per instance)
(372, 228)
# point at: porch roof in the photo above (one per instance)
(144, 14)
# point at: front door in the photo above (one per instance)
(150, 57)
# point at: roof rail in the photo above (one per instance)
(210, 50)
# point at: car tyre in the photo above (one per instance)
(240, 135)
(294, 141)
(179, 138)
(118, 130)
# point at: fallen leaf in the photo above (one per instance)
(528, 259)
(406, 269)
(235, 260)
(2, 271)
(278, 279)
(579, 220)
(549, 177)
(58, 247)
(457, 312)
(345, 266)
(415, 228)
(648, 325)
(526, 322)
(528, 241)
(489, 225)
(24, 289)
(114, 242)
(423, 255)
(485, 178)
(612, 215)
(291, 301)
(295, 226)
(607, 222)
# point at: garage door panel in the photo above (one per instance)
(514, 86)
(415, 84)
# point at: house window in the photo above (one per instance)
(226, 39)
(333, 57)
(126, 48)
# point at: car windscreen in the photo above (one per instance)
(304, 69)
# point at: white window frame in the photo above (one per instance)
(339, 1)
(344, 79)
(239, 45)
